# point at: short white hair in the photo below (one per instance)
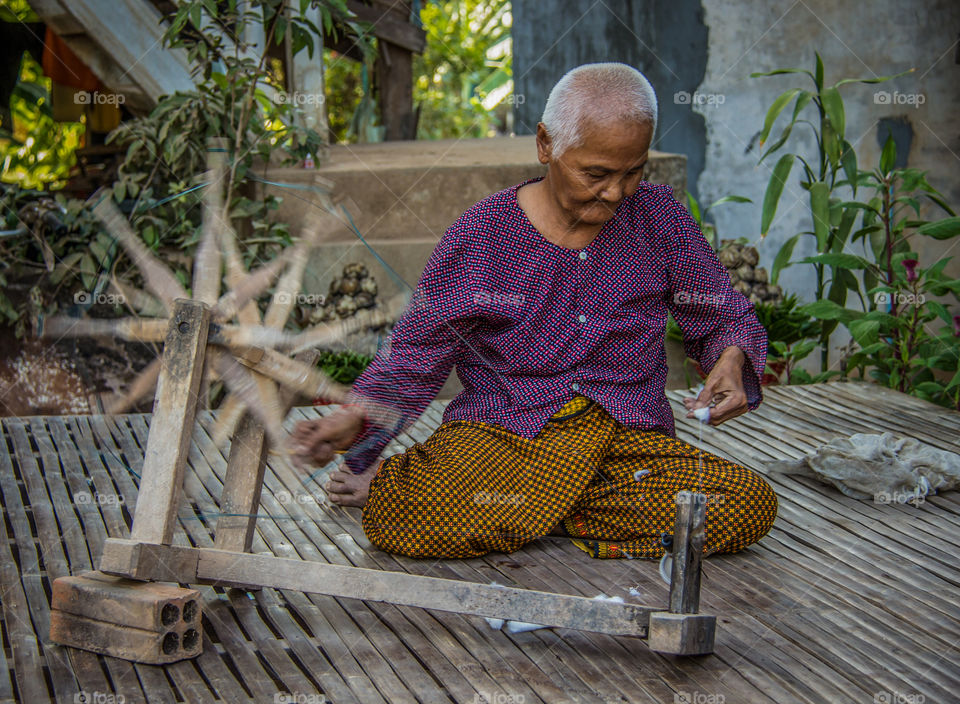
(600, 93)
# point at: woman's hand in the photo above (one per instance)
(315, 442)
(724, 385)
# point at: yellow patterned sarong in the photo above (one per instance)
(475, 487)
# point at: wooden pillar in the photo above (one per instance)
(681, 630)
(688, 539)
(395, 84)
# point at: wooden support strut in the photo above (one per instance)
(171, 428)
(681, 630)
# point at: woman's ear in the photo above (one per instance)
(544, 144)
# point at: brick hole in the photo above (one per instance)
(190, 611)
(170, 643)
(169, 614)
(191, 637)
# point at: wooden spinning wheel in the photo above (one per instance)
(209, 335)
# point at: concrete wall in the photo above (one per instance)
(855, 40)
(667, 41)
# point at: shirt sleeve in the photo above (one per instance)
(710, 312)
(416, 360)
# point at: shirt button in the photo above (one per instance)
(575, 386)
(582, 318)
(583, 255)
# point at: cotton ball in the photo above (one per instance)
(604, 597)
(495, 623)
(702, 414)
(522, 627)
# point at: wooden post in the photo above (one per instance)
(688, 539)
(243, 482)
(395, 82)
(171, 429)
(681, 630)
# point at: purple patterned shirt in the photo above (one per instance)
(529, 324)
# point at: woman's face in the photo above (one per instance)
(589, 181)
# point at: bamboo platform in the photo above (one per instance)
(844, 601)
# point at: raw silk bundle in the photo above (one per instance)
(883, 468)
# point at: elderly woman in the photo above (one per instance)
(551, 298)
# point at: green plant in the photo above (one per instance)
(899, 345)
(710, 231)
(234, 98)
(833, 168)
(163, 167)
(792, 334)
(36, 151)
(343, 366)
(464, 72)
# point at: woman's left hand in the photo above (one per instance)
(723, 386)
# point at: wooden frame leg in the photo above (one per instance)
(171, 429)
(681, 630)
(240, 499)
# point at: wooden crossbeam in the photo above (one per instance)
(225, 568)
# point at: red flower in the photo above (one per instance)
(956, 325)
(909, 265)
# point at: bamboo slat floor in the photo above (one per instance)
(844, 601)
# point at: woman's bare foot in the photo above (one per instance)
(345, 488)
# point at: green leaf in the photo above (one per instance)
(941, 229)
(838, 259)
(774, 190)
(818, 78)
(729, 199)
(781, 71)
(775, 109)
(825, 309)
(848, 159)
(694, 207)
(782, 260)
(864, 331)
(833, 106)
(941, 311)
(819, 209)
(803, 99)
(879, 79)
(889, 156)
